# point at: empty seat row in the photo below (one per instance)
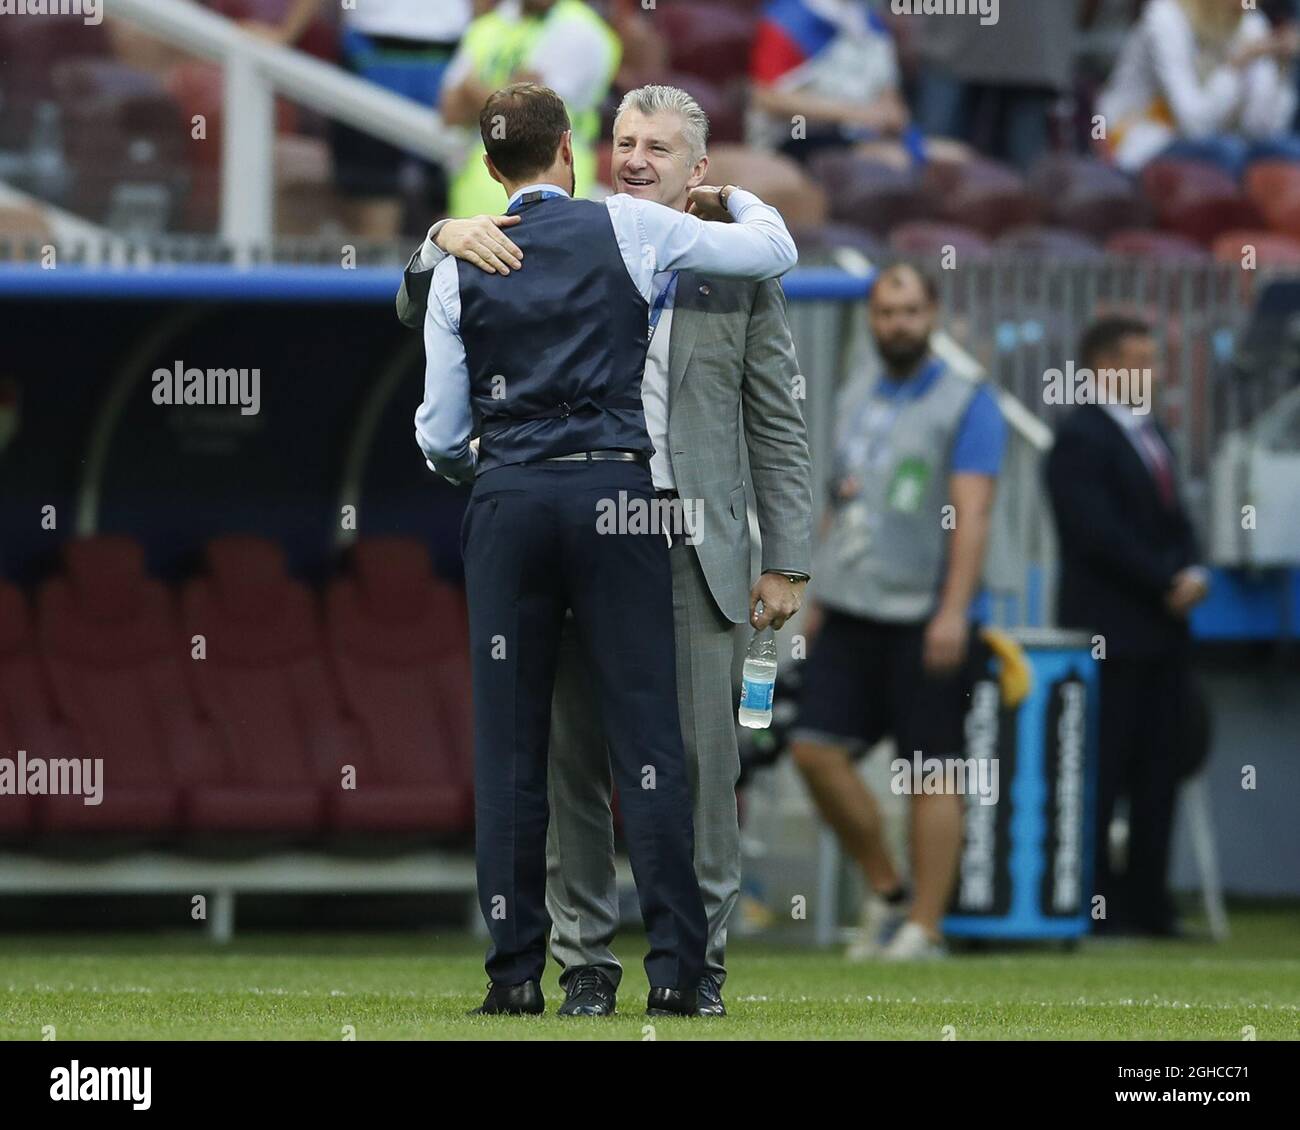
(244, 706)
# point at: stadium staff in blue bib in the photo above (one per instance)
(550, 359)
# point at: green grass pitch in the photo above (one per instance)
(419, 986)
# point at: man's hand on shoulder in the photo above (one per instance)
(481, 241)
(710, 203)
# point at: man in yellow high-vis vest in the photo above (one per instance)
(561, 44)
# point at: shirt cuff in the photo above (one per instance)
(430, 253)
(739, 200)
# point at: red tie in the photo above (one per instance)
(1158, 462)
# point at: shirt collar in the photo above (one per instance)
(536, 188)
(1122, 414)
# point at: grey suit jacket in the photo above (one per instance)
(730, 356)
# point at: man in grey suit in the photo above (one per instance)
(720, 350)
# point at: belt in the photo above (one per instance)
(591, 456)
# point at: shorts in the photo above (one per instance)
(864, 681)
(367, 166)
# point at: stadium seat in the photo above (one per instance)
(109, 638)
(823, 242)
(928, 240)
(778, 180)
(708, 39)
(266, 686)
(399, 640)
(1151, 245)
(1270, 249)
(987, 196)
(1087, 195)
(1273, 187)
(869, 194)
(1051, 244)
(26, 714)
(1197, 200)
(724, 102)
(121, 129)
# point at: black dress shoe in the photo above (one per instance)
(590, 993)
(672, 1002)
(710, 997)
(512, 1000)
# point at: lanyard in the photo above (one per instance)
(658, 310)
(874, 420)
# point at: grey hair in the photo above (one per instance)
(650, 100)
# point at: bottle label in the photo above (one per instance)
(757, 694)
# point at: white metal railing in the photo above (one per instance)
(257, 70)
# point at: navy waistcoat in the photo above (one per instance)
(557, 350)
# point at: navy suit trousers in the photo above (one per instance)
(534, 548)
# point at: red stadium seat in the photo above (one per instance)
(400, 644)
(26, 713)
(266, 687)
(1274, 189)
(1197, 200)
(1087, 195)
(708, 39)
(989, 197)
(110, 641)
(1269, 249)
(777, 179)
(925, 239)
(871, 195)
(1144, 243)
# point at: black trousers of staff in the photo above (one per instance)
(533, 548)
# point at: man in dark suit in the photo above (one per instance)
(1129, 574)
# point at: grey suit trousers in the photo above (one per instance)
(581, 891)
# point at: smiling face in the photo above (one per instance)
(653, 160)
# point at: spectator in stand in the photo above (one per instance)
(560, 44)
(404, 46)
(825, 73)
(1202, 79)
(994, 85)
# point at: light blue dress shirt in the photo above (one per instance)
(651, 238)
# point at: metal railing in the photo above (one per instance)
(255, 71)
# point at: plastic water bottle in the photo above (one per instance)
(759, 681)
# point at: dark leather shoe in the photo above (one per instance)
(710, 997)
(590, 993)
(512, 1000)
(672, 1002)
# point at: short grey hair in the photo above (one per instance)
(650, 100)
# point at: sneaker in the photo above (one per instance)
(879, 923)
(912, 943)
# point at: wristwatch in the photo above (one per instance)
(793, 578)
(724, 195)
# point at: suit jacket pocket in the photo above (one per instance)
(738, 504)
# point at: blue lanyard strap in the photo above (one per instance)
(657, 311)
